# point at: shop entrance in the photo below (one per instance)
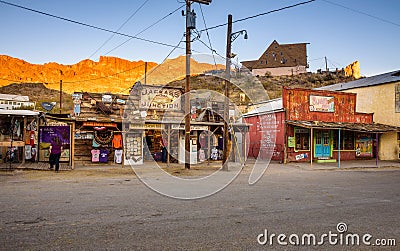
(322, 144)
(153, 141)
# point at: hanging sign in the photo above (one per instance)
(133, 126)
(99, 124)
(291, 141)
(159, 98)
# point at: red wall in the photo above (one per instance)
(266, 136)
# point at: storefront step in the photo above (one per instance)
(325, 160)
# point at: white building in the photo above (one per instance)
(11, 102)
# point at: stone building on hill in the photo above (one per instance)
(280, 59)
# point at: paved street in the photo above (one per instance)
(111, 209)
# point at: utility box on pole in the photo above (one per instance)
(191, 20)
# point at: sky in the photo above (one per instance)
(340, 30)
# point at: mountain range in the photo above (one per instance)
(109, 74)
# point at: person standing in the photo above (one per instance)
(163, 151)
(55, 153)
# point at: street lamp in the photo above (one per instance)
(230, 38)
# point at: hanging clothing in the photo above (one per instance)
(103, 155)
(214, 154)
(118, 156)
(202, 155)
(117, 141)
(94, 144)
(95, 155)
(33, 152)
(32, 138)
(28, 152)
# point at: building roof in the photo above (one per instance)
(18, 112)
(14, 97)
(270, 106)
(384, 78)
(280, 55)
(370, 128)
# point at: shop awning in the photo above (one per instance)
(371, 128)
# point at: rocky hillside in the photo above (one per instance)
(272, 85)
(39, 93)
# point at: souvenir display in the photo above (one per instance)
(103, 137)
(134, 147)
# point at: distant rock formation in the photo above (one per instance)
(353, 70)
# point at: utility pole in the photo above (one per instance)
(190, 24)
(145, 73)
(187, 89)
(230, 37)
(60, 96)
(61, 74)
(226, 100)
(326, 64)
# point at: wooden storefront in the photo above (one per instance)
(315, 125)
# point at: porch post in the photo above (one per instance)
(244, 146)
(209, 146)
(339, 149)
(72, 146)
(311, 146)
(377, 150)
(23, 138)
(168, 144)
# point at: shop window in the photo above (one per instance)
(302, 137)
(318, 138)
(397, 98)
(346, 138)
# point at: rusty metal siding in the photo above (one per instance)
(297, 104)
(266, 136)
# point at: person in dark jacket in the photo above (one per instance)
(55, 153)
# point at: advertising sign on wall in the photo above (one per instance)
(322, 104)
(47, 134)
(364, 145)
(159, 98)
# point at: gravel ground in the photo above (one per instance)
(110, 209)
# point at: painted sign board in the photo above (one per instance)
(322, 103)
(159, 98)
(192, 127)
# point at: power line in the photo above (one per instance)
(89, 25)
(137, 34)
(131, 16)
(208, 36)
(206, 45)
(261, 14)
(363, 13)
(166, 57)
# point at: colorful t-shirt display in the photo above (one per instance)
(103, 155)
(118, 156)
(95, 155)
(117, 141)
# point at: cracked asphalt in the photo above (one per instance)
(111, 209)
